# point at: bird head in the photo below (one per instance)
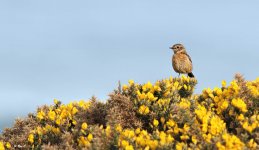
(178, 48)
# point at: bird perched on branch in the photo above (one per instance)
(181, 61)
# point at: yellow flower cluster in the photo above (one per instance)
(249, 124)
(159, 94)
(217, 126)
(240, 104)
(218, 98)
(143, 110)
(211, 125)
(253, 86)
(231, 103)
(4, 145)
(184, 103)
(231, 142)
(85, 141)
(166, 115)
(159, 98)
(141, 139)
(57, 119)
(62, 113)
(213, 111)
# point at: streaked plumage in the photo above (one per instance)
(181, 61)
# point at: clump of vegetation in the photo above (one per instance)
(163, 115)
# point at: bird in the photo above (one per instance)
(181, 61)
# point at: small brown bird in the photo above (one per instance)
(181, 61)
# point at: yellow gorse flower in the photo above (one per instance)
(108, 130)
(184, 104)
(253, 86)
(8, 145)
(232, 142)
(252, 144)
(90, 137)
(179, 146)
(170, 123)
(2, 146)
(131, 82)
(31, 138)
(56, 101)
(52, 115)
(151, 97)
(240, 104)
(217, 125)
(223, 83)
(143, 110)
(124, 87)
(83, 142)
(129, 147)
(118, 128)
(84, 126)
(40, 115)
(155, 122)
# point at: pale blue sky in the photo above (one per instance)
(71, 50)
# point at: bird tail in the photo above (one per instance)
(191, 75)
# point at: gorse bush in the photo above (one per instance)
(163, 115)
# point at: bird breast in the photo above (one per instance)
(182, 63)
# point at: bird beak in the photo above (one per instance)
(171, 47)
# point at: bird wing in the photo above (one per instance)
(189, 57)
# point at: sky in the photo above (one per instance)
(73, 50)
